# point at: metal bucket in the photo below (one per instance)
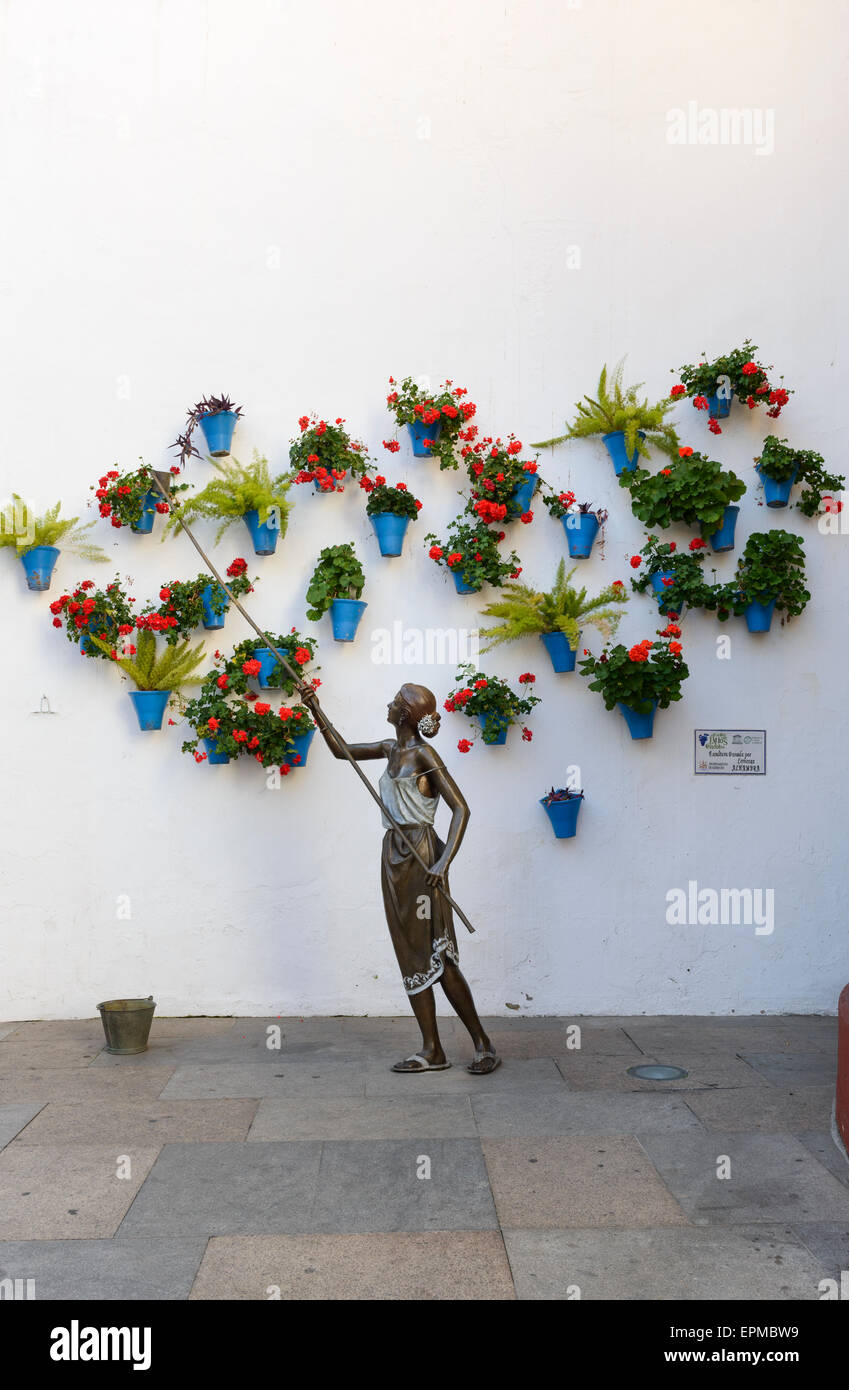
(126, 1023)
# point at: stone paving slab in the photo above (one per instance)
(765, 1108)
(828, 1242)
(822, 1146)
(561, 1182)
(257, 1079)
(83, 1084)
(225, 1052)
(59, 1192)
(143, 1123)
(552, 1042)
(766, 1033)
(513, 1114)
(20, 1054)
(125, 1270)
(435, 1265)
(389, 1117)
(794, 1069)
(773, 1178)
(706, 1071)
(667, 1263)
(91, 1029)
(539, 1073)
(6, 1029)
(14, 1118)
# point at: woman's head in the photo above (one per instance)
(412, 704)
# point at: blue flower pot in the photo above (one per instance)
(390, 531)
(302, 745)
(38, 566)
(615, 444)
(150, 707)
(777, 494)
(663, 594)
(718, 406)
(563, 815)
(461, 586)
(218, 431)
(419, 432)
(324, 491)
(723, 539)
(581, 530)
(494, 721)
(640, 725)
(212, 621)
(89, 648)
(557, 646)
(268, 661)
(212, 753)
(144, 525)
(520, 497)
(345, 615)
(759, 615)
(263, 534)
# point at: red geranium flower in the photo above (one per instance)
(464, 745)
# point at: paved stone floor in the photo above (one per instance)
(213, 1166)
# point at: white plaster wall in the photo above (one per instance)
(289, 202)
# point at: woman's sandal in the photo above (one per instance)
(424, 1064)
(478, 1069)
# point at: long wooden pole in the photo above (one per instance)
(321, 718)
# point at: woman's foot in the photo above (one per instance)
(486, 1060)
(424, 1061)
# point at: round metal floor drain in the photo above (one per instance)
(653, 1072)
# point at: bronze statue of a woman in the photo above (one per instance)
(421, 922)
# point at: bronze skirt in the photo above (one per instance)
(420, 921)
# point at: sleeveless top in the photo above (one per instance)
(404, 802)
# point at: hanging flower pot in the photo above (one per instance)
(461, 586)
(615, 445)
(126, 1024)
(581, 530)
(562, 809)
(267, 662)
(390, 531)
(302, 747)
(263, 534)
(144, 525)
(663, 592)
(719, 407)
(345, 615)
(759, 615)
(150, 706)
(419, 432)
(495, 725)
(776, 494)
(213, 620)
(39, 564)
(521, 494)
(723, 539)
(557, 645)
(640, 725)
(213, 755)
(218, 427)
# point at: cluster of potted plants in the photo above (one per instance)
(555, 617)
(325, 454)
(336, 584)
(770, 576)
(472, 556)
(390, 510)
(492, 703)
(104, 613)
(582, 521)
(34, 539)
(628, 426)
(436, 420)
(780, 465)
(298, 650)
(217, 416)
(692, 489)
(713, 385)
(133, 499)
(639, 679)
(242, 492)
(503, 484)
(186, 604)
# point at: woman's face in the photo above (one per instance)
(396, 712)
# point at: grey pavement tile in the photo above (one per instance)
(822, 1146)
(385, 1186)
(434, 1265)
(667, 1263)
(705, 1071)
(143, 1122)
(82, 1083)
(389, 1117)
(6, 1029)
(337, 1077)
(14, 1118)
(772, 1178)
(602, 1180)
(514, 1043)
(828, 1242)
(235, 1050)
(226, 1189)
(60, 1192)
(766, 1108)
(101, 1270)
(762, 1033)
(18, 1053)
(538, 1073)
(794, 1069)
(514, 1115)
(91, 1029)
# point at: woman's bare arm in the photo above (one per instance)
(361, 752)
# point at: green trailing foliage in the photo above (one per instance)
(338, 574)
(149, 669)
(23, 530)
(239, 488)
(779, 460)
(693, 489)
(615, 407)
(772, 566)
(525, 612)
(688, 585)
